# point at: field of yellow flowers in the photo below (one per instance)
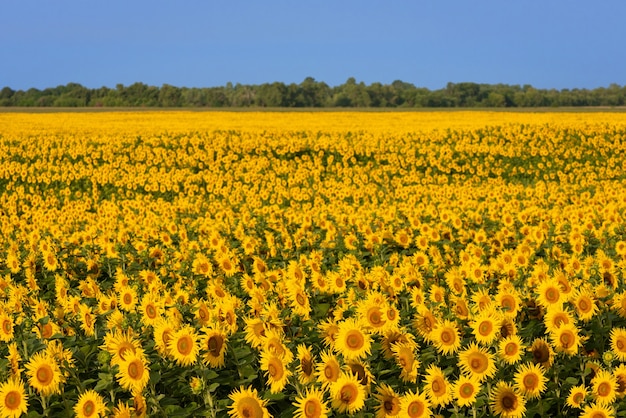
(312, 264)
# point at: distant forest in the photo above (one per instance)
(312, 93)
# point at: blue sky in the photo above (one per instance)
(545, 43)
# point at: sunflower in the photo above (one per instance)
(425, 323)
(44, 374)
(604, 387)
(549, 293)
(404, 354)
(133, 373)
(465, 390)
(120, 344)
(328, 369)
(477, 361)
(363, 373)
(163, 332)
(13, 399)
(127, 298)
(506, 401)
(620, 376)
(585, 304)
(305, 367)
(347, 394)
(566, 339)
(530, 380)
(90, 404)
(436, 386)
(557, 316)
(150, 309)
(352, 342)
(273, 343)
(311, 404)
(255, 331)
(446, 337)
(183, 346)
(510, 349)
(388, 402)
(576, 397)
(618, 343)
(542, 352)
(213, 347)
(14, 359)
(414, 405)
(485, 326)
(393, 337)
(618, 303)
(247, 404)
(372, 316)
(276, 371)
(509, 302)
(597, 410)
(6, 327)
(122, 410)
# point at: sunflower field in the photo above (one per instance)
(312, 264)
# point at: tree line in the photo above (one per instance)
(312, 93)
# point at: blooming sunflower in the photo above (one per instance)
(414, 405)
(90, 404)
(328, 369)
(510, 349)
(604, 387)
(372, 316)
(133, 373)
(388, 402)
(127, 298)
(120, 344)
(436, 386)
(183, 346)
(477, 361)
(530, 380)
(576, 396)
(585, 304)
(13, 399)
(352, 341)
(598, 410)
(465, 390)
(618, 343)
(276, 371)
(485, 326)
(506, 401)
(557, 316)
(6, 327)
(566, 339)
(549, 293)
(163, 332)
(255, 331)
(347, 394)
(620, 376)
(151, 310)
(44, 374)
(404, 354)
(305, 367)
(213, 347)
(446, 337)
(311, 404)
(542, 352)
(247, 404)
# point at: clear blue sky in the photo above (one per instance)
(203, 43)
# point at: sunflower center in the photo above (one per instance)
(12, 400)
(135, 369)
(128, 298)
(541, 354)
(307, 366)
(415, 409)
(466, 391)
(604, 389)
(354, 340)
(330, 373)
(312, 409)
(89, 408)
(7, 326)
(510, 349)
(348, 394)
(485, 328)
(566, 339)
(151, 312)
(215, 344)
(447, 337)
(478, 363)
(45, 375)
(620, 344)
(578, 398)
(584, 305)
(374, 317)
(509, 401)
(531, 381)
(184, 345)
(439, 387)
(552, 295)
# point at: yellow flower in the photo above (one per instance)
(530, 380)
(305, 367)
(477, 361)
(404, 354)
(388, 402)
(276, 371)
(44, 374)
(311, 404)
(618, 343)
(133, 373)
(566, 339)
(485, 326)
(436, 387)
(247, 404)
(328, 369)
(604, 387)
(506, 401)
(347, 394)
(213, 346)
(414, 405)
(183, 346)
(576, 396)
(13, 399)
(465, 390)
(585, 304)
(549, 293)
(511, 348)
(90, 404)
(598, 410)
(542, 353)
(352, 342)
(446, 337)
(6, 327)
